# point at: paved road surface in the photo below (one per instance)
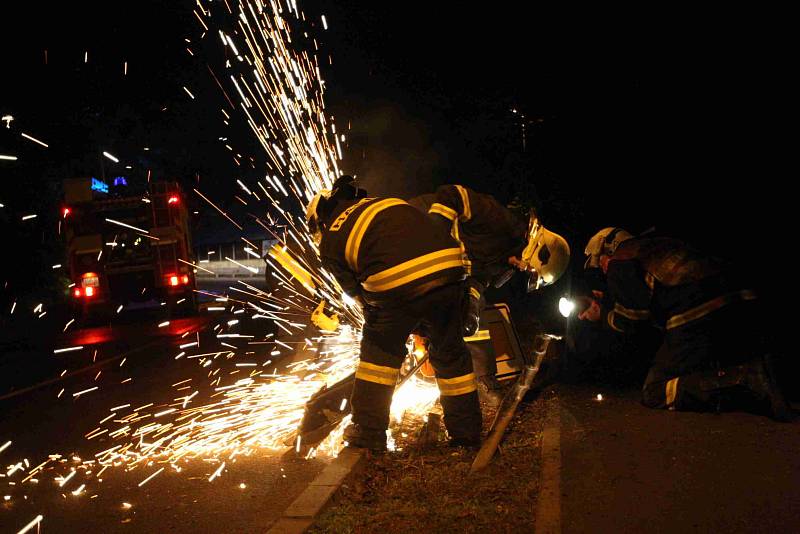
(625, 468)
(136, 363)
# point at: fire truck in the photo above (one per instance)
(127, 247)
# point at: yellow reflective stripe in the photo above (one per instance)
(480, 335)
(634, 315)
(467, 211)
(611, 322)
(450, 387)
(392, 271)
(444, 211)
(413, 269)
(712, 305)
(377, 374)
(360, 228)
(671, 391)
(340, 220)
(475, 293)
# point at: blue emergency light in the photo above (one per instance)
(97, 185)
(120, 180)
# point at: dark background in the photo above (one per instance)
(667, 119)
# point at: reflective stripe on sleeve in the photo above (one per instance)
(467, 211)
(712, 305)
(629, 313)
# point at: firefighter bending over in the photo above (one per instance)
(387, 255)
(497, 242)
(712, 356)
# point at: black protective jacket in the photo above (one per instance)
(489, 232)
(386, 250)
(661, 281)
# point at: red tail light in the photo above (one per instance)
(88, 287)
(66, 212)
(175, 280)
(173, 199)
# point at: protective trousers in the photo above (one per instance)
(701, 363)
(437, 315)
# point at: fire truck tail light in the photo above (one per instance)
(176, 280)
(77, 292)
(89, 291)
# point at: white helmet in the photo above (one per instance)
(604, 242)
(546, 255)
(312, 216)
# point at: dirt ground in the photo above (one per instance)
(430, 489)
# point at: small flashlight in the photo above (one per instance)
(566, 306)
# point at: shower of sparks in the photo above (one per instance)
(279, 92)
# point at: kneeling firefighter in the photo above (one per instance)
(388, 256)
(713, 354)
(497, 242)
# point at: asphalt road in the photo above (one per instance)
(50, 401)
(625, 468)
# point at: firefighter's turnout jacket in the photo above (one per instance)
(661, 281)
(710, 319)
(489, 232)
(384, 250)
(409, 273)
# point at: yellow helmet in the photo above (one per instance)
(546, 255)
(604, 242)
(312, 215)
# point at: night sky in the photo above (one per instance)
(664, 119)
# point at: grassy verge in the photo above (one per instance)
(429, 489)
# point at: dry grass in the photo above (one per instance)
(429, 489)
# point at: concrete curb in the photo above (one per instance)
(300, 514)
(548, 507)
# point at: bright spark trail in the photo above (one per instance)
(281, 97)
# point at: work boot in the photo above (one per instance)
(364, 438)
(761, 380)
(471, 444)
(490, 391)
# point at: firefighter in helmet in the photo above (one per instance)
(497, 242)
(388, 256)
(712, 356)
